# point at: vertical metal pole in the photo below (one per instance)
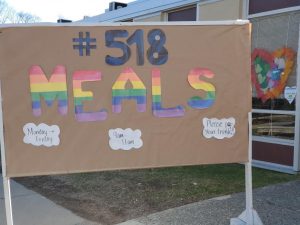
(248, 176)
(245, 9)
(198, 12)
(7, 197)
(6, 180)
(248, 165)
(296, 165)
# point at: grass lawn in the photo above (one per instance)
(112, 197)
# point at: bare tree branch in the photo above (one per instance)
(9, 15)
(24, 17)
(5, 12)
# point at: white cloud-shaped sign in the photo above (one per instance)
(41, 134)
(127, 139)
(218, 128)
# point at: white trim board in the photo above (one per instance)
(77, 24)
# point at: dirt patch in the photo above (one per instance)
(108, 200)
(114, 197)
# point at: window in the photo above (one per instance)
(273, 125)
(274, 117)
(259, 6)
(273, 104)
(187, 14)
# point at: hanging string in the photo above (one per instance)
(288, 31)
(257, 32)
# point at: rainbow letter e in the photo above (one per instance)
(197, 102)
(80, 96)
(119, 91)
(157, 108)
(55, 87)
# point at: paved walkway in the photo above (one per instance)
(30, 208)
(276, 205)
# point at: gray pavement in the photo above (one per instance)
(276, 205)
(30, 208)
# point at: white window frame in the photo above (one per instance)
(296, 141)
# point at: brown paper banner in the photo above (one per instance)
(93, 98)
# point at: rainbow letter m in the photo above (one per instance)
(55, 87)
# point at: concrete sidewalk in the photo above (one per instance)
(276, 205)
(30, 208)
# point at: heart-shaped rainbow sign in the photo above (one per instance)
(270, 71)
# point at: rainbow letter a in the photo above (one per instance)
(120, 93)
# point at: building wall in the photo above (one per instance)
(206, 10)
(221, 10)
(211, 10)
(153, 18)
(275, 126)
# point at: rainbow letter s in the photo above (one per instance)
(55, 87)
(197, 102)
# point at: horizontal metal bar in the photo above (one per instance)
(273, 166)
(273, 140)
(269, 111)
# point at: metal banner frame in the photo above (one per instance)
(248, 217)
(6, 180)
